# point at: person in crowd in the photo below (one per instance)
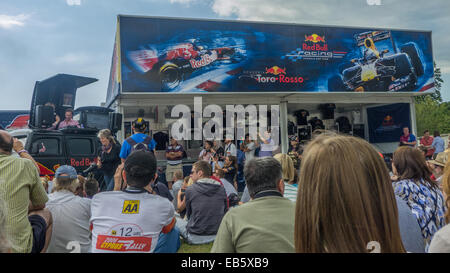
(5, 244)
(288, 171)
(174, 156)
(138, 141)
(344, 207)
(108, 157)
(56, 116)
(230, 148)
(426, 142)
(248, 147)
(229, 187)
(176, 186)
(441, 239)
(19, 150)
(438, 144)
(90, 188)
(206, 203)
(181, 203)
(438, 165)
(424, 151)
(79, 191)
(44, 181)
(267, 144)
(162, 190)
(206, 153)
(70, 212)
(134, 211)
(422, 194)
(230, 168)
(68, 121)
(264, 224)
(28, 222)
(240, 181)
(407, 138)
(218, 152)
(295, 151)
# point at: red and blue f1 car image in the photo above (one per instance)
(379, 70)
(175, 64)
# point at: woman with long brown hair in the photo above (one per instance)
(422, 194)
(345, 201)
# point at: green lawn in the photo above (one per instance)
(187, 248)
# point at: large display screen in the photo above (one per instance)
(189, 55)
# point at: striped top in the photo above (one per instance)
(290, 191)
(20, 183)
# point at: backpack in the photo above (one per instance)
(144, 145)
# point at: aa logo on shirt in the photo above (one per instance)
(130, 207)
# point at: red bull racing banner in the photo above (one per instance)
(191, 55)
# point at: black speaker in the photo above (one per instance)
(115, 121)
(45, 116)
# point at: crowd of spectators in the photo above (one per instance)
(332, 194)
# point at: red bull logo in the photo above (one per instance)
(314, 38)
(275, 70)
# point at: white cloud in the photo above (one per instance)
(9, 21)
(73, 2)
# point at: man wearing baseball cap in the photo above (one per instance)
(135, 219)
(138, 140)
(71, 213)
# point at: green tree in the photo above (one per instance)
(431, 113)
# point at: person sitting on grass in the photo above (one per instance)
(206, 203)
(266, 223)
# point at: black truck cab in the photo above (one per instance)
(68, 146)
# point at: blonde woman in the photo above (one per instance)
(345, 200)
(288, 170)
(108, 157)
(441, 239)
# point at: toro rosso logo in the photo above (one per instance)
(277, 74)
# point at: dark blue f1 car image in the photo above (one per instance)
(378, 69)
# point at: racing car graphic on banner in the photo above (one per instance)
(174, 64)
(377, 70)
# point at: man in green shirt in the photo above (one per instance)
(28, 223)
(266, 223)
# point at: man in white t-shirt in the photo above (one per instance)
(230, 148)
(131, 220)
(249, 148)
(70, 213)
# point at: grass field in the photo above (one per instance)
(187, 248)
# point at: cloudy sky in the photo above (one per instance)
(41, 38)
